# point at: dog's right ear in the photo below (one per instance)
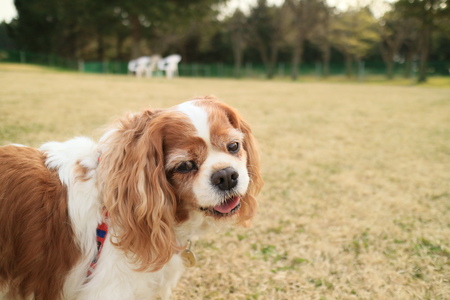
(140, 201)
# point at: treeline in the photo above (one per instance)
(296, 31)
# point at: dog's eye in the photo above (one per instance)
(186, 167)
(233, 147)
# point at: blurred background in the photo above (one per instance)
(356, 202)
(219, 38)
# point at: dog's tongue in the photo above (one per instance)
(228, 206)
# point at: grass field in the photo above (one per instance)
(356, 203)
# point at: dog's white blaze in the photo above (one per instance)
(199, 118)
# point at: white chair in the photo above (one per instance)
(144, 65)
(132, 67)
(154, 59)
(170, 65)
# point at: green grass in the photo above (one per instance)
(356, 203)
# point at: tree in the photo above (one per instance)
(266, 34)
(33, 14)
(195, 41)
(6, 42)
(65, 28)
(303, 18)
(441, 41)
(74, 28)
(355, 32)
(397, 34)
(236, 28)
(427, 13)
(321, 36)
(147, 18)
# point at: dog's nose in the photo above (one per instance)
(225, 179)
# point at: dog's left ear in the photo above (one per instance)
(140, 201)
(249, 205)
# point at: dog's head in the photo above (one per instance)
(158, 167)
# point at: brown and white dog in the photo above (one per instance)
(81, 220)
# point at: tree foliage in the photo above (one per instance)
(238, 35)
(73, 28)
(265, 33)
(427, 14)
(303, 20)
(296, 31)
(354, 34)
(399, 35)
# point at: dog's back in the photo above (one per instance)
(35, 231)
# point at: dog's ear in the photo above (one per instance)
(140, 201)
(249, 204)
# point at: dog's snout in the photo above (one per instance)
(225, 179)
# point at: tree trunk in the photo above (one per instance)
(73, 47)
(272, 62)
(348, 65)
(297, 57)
(100, 47)
(119, 47)
(238, 64)
(237, 54)
(388, 57)
(408, 64)
(326, 61)
(390, 69)
(265, 59)
(136, 30)
(424, 51)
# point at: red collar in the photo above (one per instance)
(102, 232)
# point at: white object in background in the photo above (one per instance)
(170, 65)
(144, 65)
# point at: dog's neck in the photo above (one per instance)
(191, 229)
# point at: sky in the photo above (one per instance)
(378, 6)
(8, 10)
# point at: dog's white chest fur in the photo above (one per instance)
(115, 278)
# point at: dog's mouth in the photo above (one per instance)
(226, 208)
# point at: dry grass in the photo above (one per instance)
(357, 197)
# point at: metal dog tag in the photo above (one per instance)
(188, 257)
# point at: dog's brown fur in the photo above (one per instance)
(37, 248)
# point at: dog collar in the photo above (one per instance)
(102, 232)
(188, 257)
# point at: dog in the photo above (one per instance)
(115, 219)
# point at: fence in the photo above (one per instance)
(38, 59)
(221, 70)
